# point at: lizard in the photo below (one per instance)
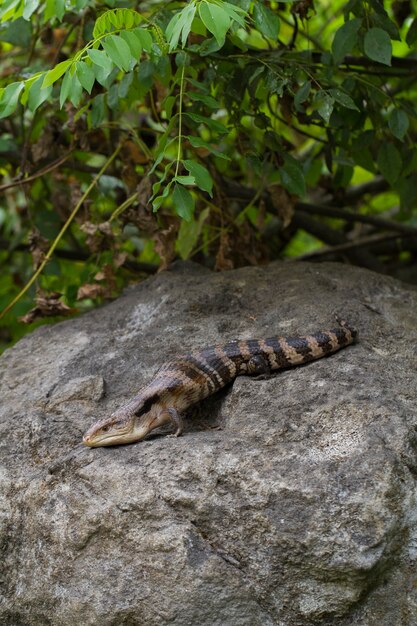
(185, 380)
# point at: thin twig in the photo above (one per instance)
(350, 246)
(61, 233)
(348, 216)
(81, 256)
(42, 172)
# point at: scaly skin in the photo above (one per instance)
(188, 379)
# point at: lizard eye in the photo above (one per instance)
(105, 429)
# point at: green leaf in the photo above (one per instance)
(235, 13)
(207, 100)
(134, 43)
(116, 19)
(185, 180)
(215, 19)
(214, 125)
(76, 91)
(124, 18)
(189, 233)
(325, 104)
(168, 105)
(98, 110)
(292, 176)
(54, 9)
(113, 100)
(201, 174)
(377, 46)
(201, 86)
(173, 31)
(98, 57)
(259, 70)
(360, 151)
(198, 142)
(345, 39)
(144, 37)
(145, 76)
(65, 88)
(209, 46)
(60, 9)
(70, 88)
(55, 73)
(383, 21)
(389, 162)
(118, 51)
(30, 7)
(302, 95)
(183, 202)
(163, 70)
(102, 25)
(180, 26)
(18, 33)
(9, 98)
(11, 10)
(156, 203)
(398, 123)
(104, 77)
(266, 21)
(411, 36)
(342, 98)
(37, 95)
(408, 193)
(85, 75)
(125, 84)
(364, 158)
(242, 4)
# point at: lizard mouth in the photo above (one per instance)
(106, 436)
(110, 439)
(98, 437)
(116, 431)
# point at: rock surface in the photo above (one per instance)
(300, 510)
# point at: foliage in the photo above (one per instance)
(227, 132)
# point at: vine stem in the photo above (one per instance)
(38, 174)
(61, 233)
(180, 122)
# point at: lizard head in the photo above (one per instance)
(125, 425)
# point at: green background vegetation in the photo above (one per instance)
(230, 133)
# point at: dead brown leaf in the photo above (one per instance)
(132, 153)
(283, 203)
(302, 8)
(47, 146)
(120, 259)
(140, 214)
(47, 305)
(165, 242)
(223, 256)
(107, 273)
(38, 247)
(91, 290)
(99, 236)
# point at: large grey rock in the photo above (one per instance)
(302, 508)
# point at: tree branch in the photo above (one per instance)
(80, 255)
(348, 216)
(45, 170)
(337, 239)
(355, 193)
(373, 241)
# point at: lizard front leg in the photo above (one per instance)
(174, 417)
